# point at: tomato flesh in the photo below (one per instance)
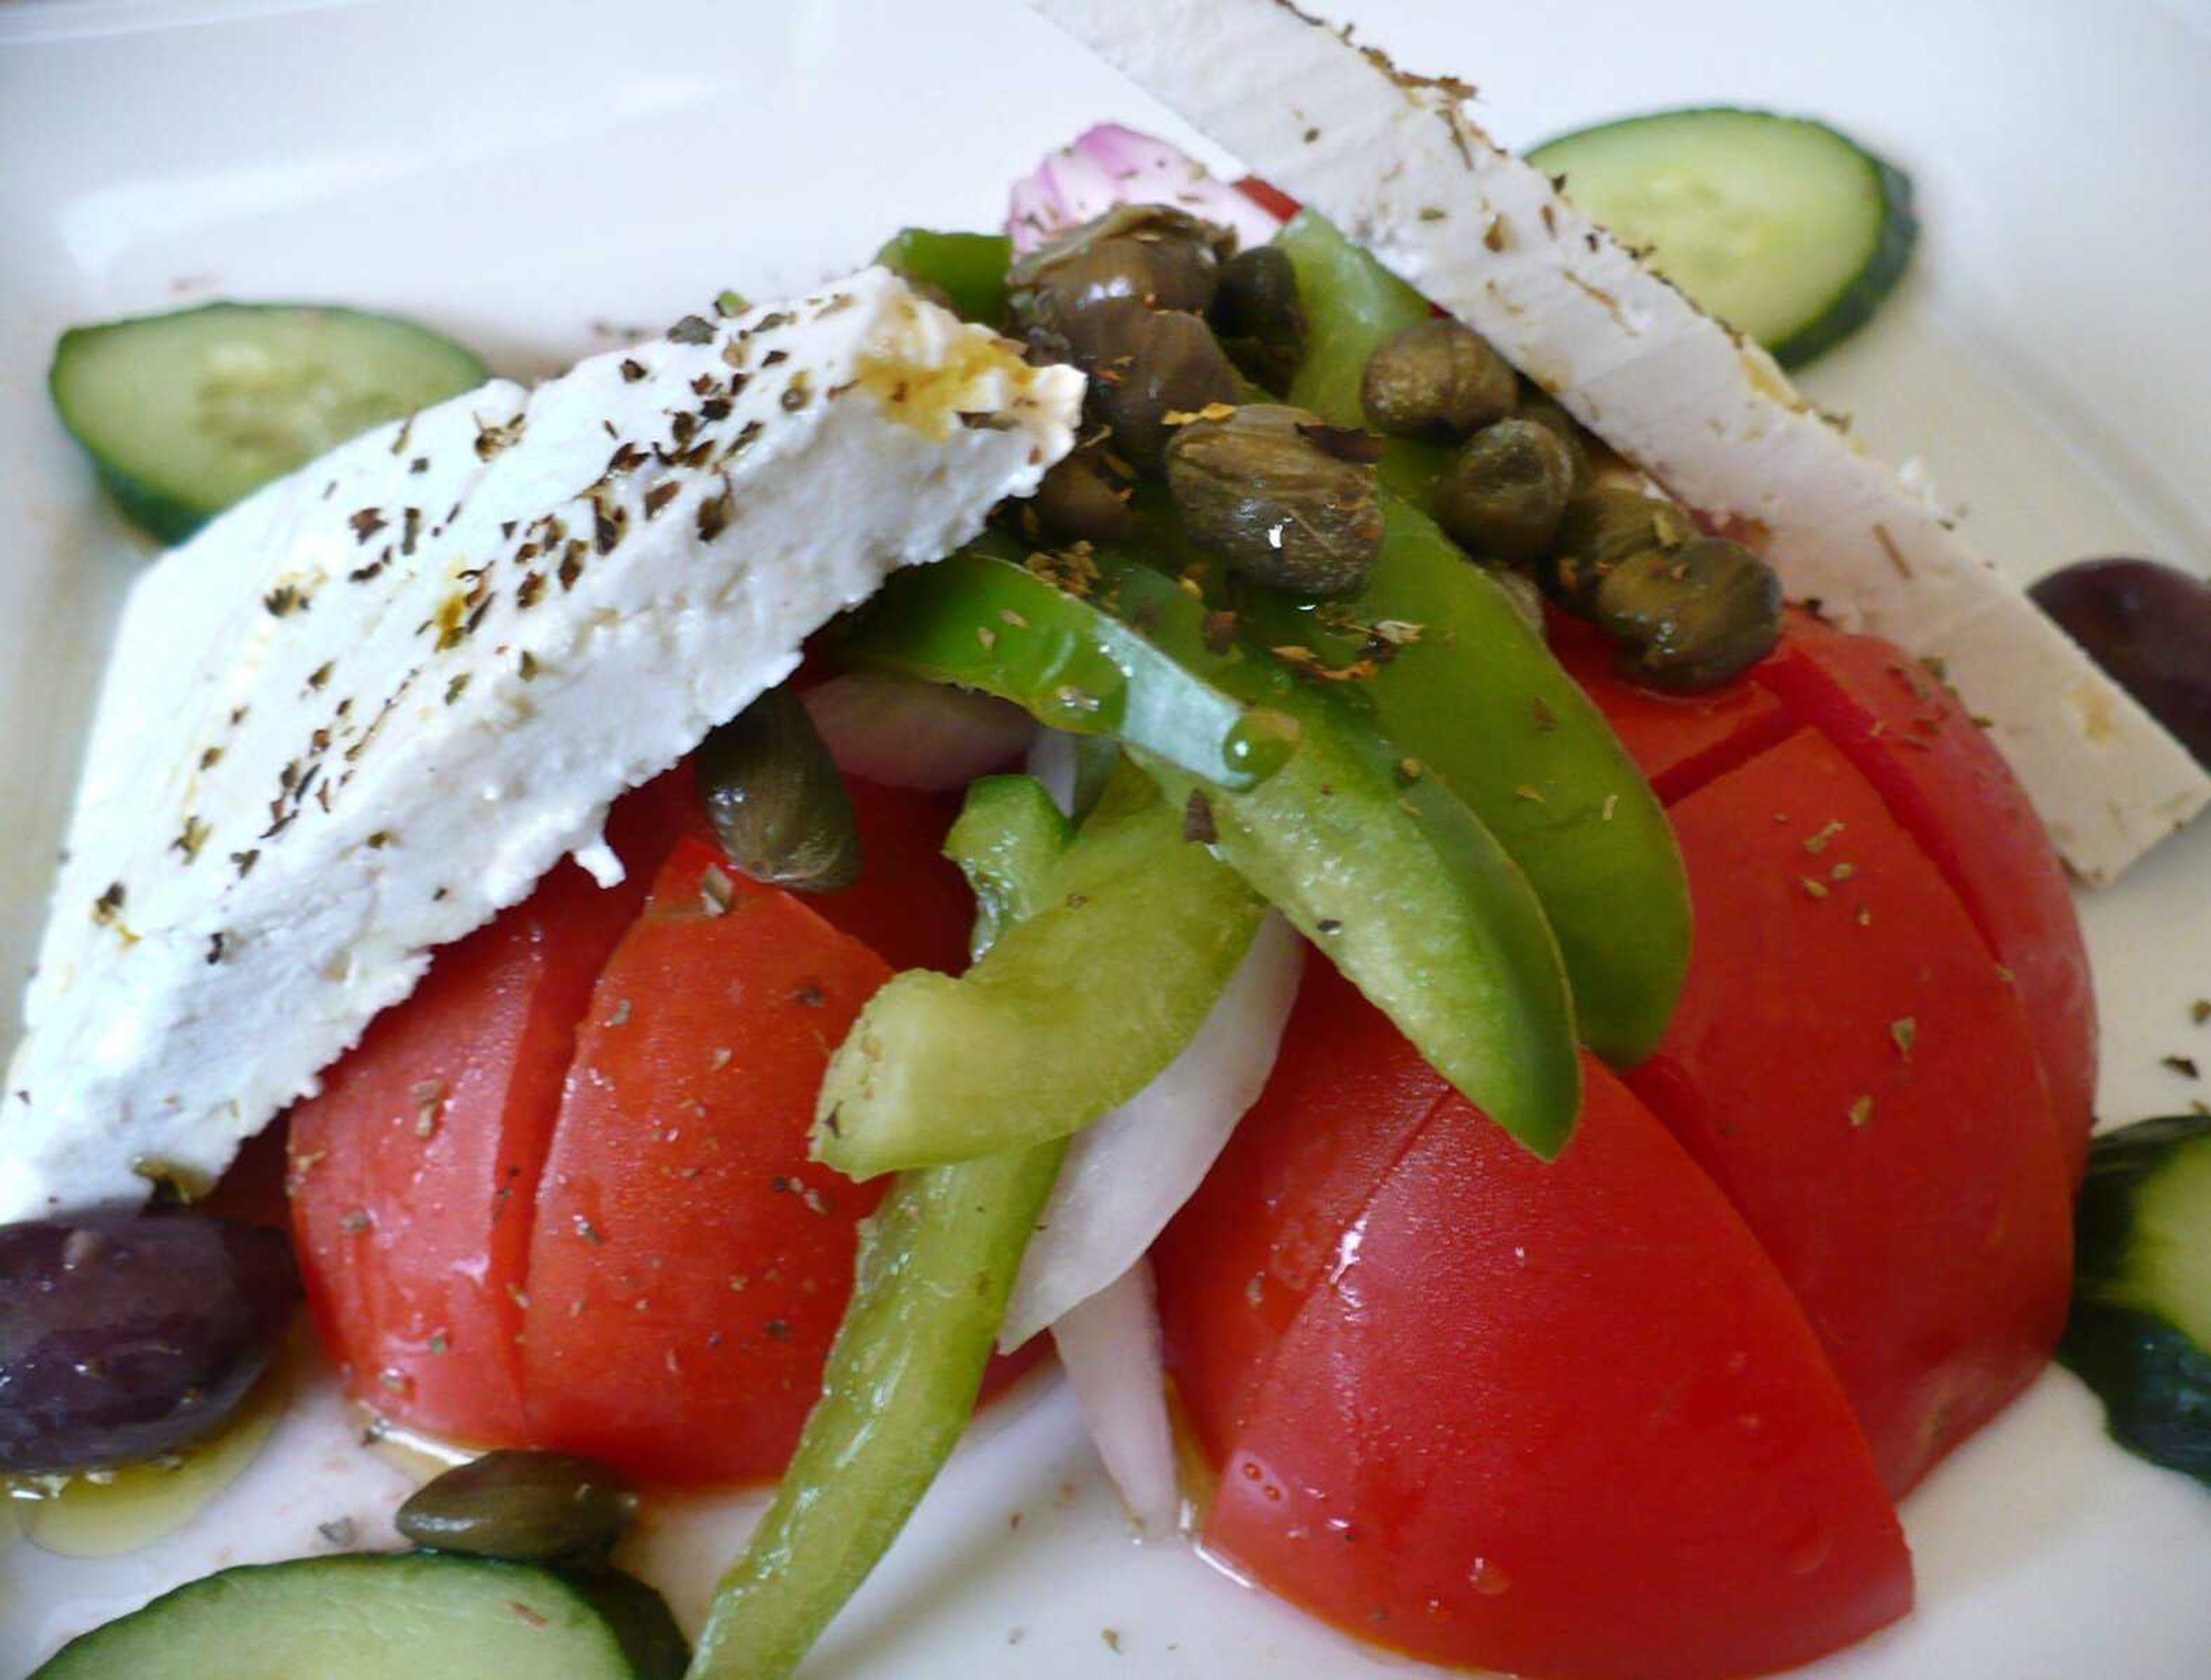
(1952, 791)
(413, 1173)
(1849, 1065)
(689, 1265)
(1248, 1248)
(1564, 1419)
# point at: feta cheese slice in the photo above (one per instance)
(371, 706)
(1393, 160)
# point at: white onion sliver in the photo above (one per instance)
(904, 732)
(1127, 1174)
(1110, 1348)
(1051, 760)
(1111, 164)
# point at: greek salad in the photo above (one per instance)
(1321, 796)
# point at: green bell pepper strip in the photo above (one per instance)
(937, 1263)
(970, 267)
(1478, 699)
(1074, 1009)
(1008, 835)
(1394, 877)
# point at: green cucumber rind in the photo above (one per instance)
(2155, 1384)
(171, 513)
(1857, 298)
(2153, 1378)
(634, 1617)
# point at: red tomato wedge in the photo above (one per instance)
(689, 1265)
(910, 904)
(1261, 1230)
(1952, 793)
(412, 1174)
(1564, 1419)
(1855, 1075)
(1680, 742)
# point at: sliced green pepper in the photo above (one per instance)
(937, 1261)
(1008, 835)
(970, 267)
(1390, 873)
(1074, 1009)
(1467, 688)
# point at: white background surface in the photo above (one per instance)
(516, 174)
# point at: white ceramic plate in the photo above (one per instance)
(532, 178)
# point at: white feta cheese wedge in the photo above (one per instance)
(371, 706)
(1393, 160)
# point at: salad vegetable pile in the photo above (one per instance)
(1350, 904)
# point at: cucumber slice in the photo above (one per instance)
(2140, 1334)
(186, 412)
(1780, 226)
(396, 1616)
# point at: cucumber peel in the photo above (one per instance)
(1783, 226)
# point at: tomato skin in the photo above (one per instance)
(1952, 791)
(1850, 1067)
(1269, 197)
(911, 905)
(414, 1244)
(1680, 742)
(1563, 1420)
(689, 1265)
(1236, 1265)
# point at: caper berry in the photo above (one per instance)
(1144, 365)
(1437, 379)
(1258, 489)
(1601, 528)
(1502, 494)
(776, 800)
(1258, 316)
(1153, 254)
(1084, 498)
(1693, 618)
(528, 1507)
(1539, 405)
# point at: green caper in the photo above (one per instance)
(1601, 528)
(1437, 379)
(1084, 498)
(1502, 494)
(1262, 487)
(1693, 618)
(1154, 254)
(776, 800)
(1144, 365)
(528, 1507)
(1259, 317)
(1539, 405)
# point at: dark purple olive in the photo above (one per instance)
(124, 1335)
(2149, 626)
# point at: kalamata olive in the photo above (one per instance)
(1692, 618)
(1152, 254)
(124, 1335)
(526, 1506)
(1259, 488)
(1258, 316)
(1600, 529)
(1503, 493)
(776, 800)
(1437, 379)
(1539, 405)
(2149, 626)
(1084, 499)
(1144, 365)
